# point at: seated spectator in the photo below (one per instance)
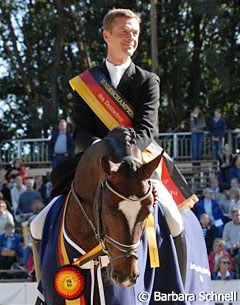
(26, 201)
(40, 185)
(226, 161)
(223, 270)
(224, 202)
(16, 191)
(209, 231)
(235, 171)
(5, 191)
(219, 250)
(213, 185)
(207, 205)
(231, 233)
(5, 215)
(18, 169)
(234, 203)
(10, 245)
(234, 183)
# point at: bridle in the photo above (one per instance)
(101, 237)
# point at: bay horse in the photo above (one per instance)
(109, 202)
(114, 189)
(106, 209)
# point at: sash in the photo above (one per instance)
(113, 110)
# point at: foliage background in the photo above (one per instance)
(44, 43)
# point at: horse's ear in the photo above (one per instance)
(147, 169)
(108, 166)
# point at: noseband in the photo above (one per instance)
(102, 238)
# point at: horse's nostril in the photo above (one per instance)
(115, 276)
(135, 277)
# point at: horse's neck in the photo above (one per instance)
(89, 171)
(88, 175)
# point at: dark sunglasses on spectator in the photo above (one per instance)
(225, 262)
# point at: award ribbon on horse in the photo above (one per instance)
(114, 110)
(69, 281)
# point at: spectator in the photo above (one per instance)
(10, 245)
(231, 233)
(207, 205)
(209, 231)
(5, 191)
(234, 183)
(16, 191)
(18, 169)
(235, 171)
(217, 131)
(219, 250)
(61, 144)
(197, 126)
(224, 202)
(5, 215)
(226, 161)
(41, 186)
(234, 202)
(214, 186)
(26, 201)
(223, 270)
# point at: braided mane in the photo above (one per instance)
(120, 141)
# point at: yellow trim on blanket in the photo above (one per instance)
(152, 242)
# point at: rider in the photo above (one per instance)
(138, 86)
(121, 29)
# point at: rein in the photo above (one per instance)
(127, 250)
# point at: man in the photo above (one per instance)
(217, 129)
(61, 145)
(10, 245)
(26, 201)
(138, 86)
(231, 233)
(16, 191)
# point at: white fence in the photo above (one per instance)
(177, 145)
(26, 293)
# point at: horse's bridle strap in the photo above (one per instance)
(131, 198)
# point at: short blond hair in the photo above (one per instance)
(115, 13)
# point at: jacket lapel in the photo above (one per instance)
(127, 79)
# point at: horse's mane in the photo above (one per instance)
(120, 141)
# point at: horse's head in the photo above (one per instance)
(124, 202)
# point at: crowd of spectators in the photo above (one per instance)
(21, 198)
(218, 211)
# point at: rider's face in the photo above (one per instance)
(122, 39)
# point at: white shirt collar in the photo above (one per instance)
(116, 72)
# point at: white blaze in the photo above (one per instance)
(130, 209)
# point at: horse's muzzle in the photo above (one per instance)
(119, 278)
